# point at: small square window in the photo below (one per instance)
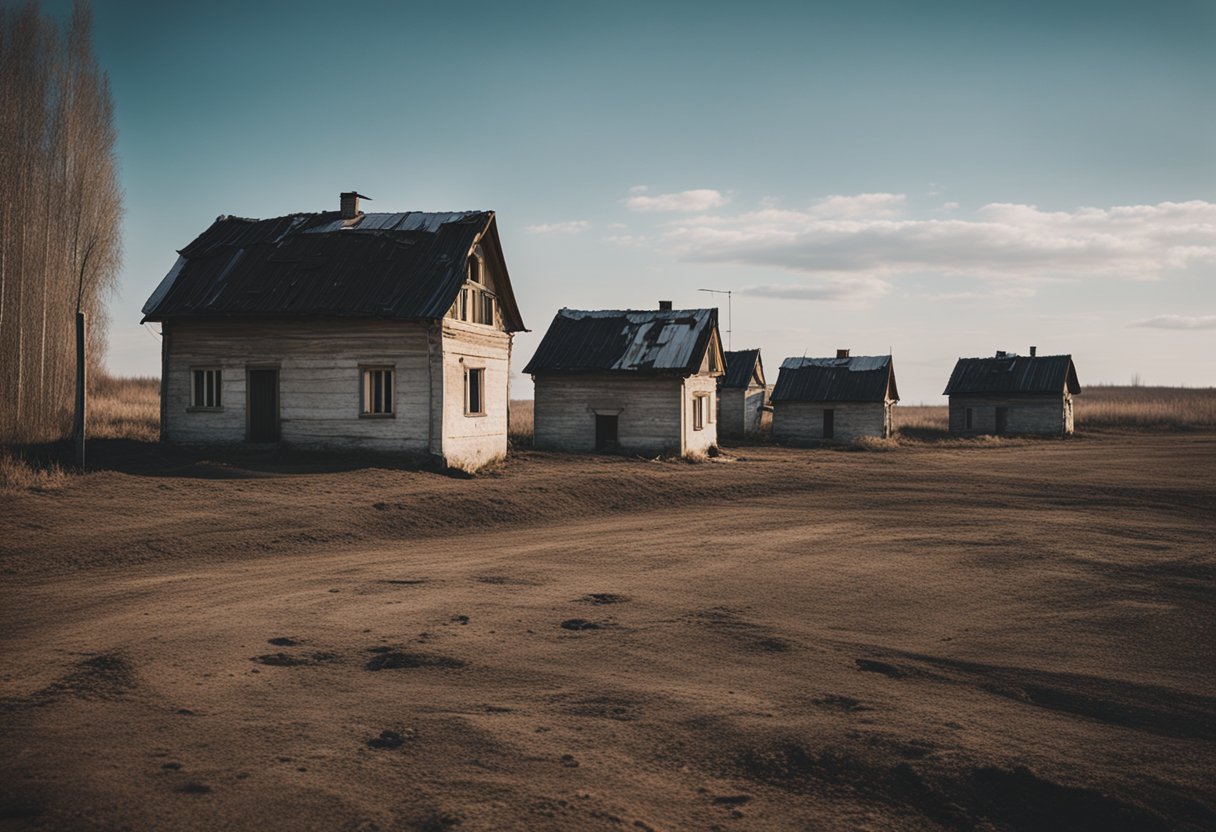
(475, 391)
(205, 389)
(378, 390)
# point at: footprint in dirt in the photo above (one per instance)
(283, 641)
(397, 660)
(579, 624)
(387, 741)
(601, 598)
(287, 660)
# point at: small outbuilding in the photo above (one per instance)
(340, 330)
(1013, 394)
(834, 399)
(641, 381)
(743, 396)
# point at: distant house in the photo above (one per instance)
(842, 398)
(742, 395)
(1012, 393)
(341, 330)
(637, 381)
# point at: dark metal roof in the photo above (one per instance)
(407, 265)
(859, 378)
(1014, 374)
(668, 340)
(741, 367)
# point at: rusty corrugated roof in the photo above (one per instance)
(1014, 374)
(858, 378)
(404, 265)
(668, 340)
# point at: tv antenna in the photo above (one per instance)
(729, 316)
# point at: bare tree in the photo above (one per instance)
(60, 209)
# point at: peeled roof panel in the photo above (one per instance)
(625, 341)
(404, 265)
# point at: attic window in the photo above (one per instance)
(476, 271)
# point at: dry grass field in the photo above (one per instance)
(949, 635)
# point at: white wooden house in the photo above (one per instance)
(1014, 394)
(388, 333)
(743, 409)
(834, 399)
(634, 381)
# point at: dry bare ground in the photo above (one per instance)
(951, 635)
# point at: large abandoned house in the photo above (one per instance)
(834, 399)
(743, 395)
(637, 381)
(342, 330)
(1010, 393)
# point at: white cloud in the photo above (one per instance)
(1180, 322)
(854, 289)
(701, 199)
(865, 235)
(569, 227)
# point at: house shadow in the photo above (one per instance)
(232, 462)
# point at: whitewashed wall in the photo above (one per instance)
(697, 442)
(803, 421)
(472, 441)
(1045, 415)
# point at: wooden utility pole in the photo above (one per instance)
(80, 381)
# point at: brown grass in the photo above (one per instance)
(125, 408)
(1104, 406)
(521, 424)
(19, 473)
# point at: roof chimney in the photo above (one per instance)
(842, 353)
(350, 204)
(1000, 353)
(664, 306)
(1033, 351)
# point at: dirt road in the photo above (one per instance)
(958, 636)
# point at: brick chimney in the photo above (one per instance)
(1033, 351)
(350, 204)
(1000, 353)
(842, 353)
(664, 306)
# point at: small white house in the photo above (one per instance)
(743, 410)
(834, 399)
(388, 333)
(635, 381)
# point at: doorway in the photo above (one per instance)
(829, 424)
(605, 431)
(1002, 420)
(263, 405)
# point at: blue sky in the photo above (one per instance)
(937, 179)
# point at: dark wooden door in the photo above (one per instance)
(605, 431)
(829, 424)
(263, 405)
(1002, 420)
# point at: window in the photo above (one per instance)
(698, 413)
(474, 391)
(205, 391)
(474, 269)
(377, 391)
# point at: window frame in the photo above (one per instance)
(481, 390)
(365, 371)
(698, 411)
(218, 388)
